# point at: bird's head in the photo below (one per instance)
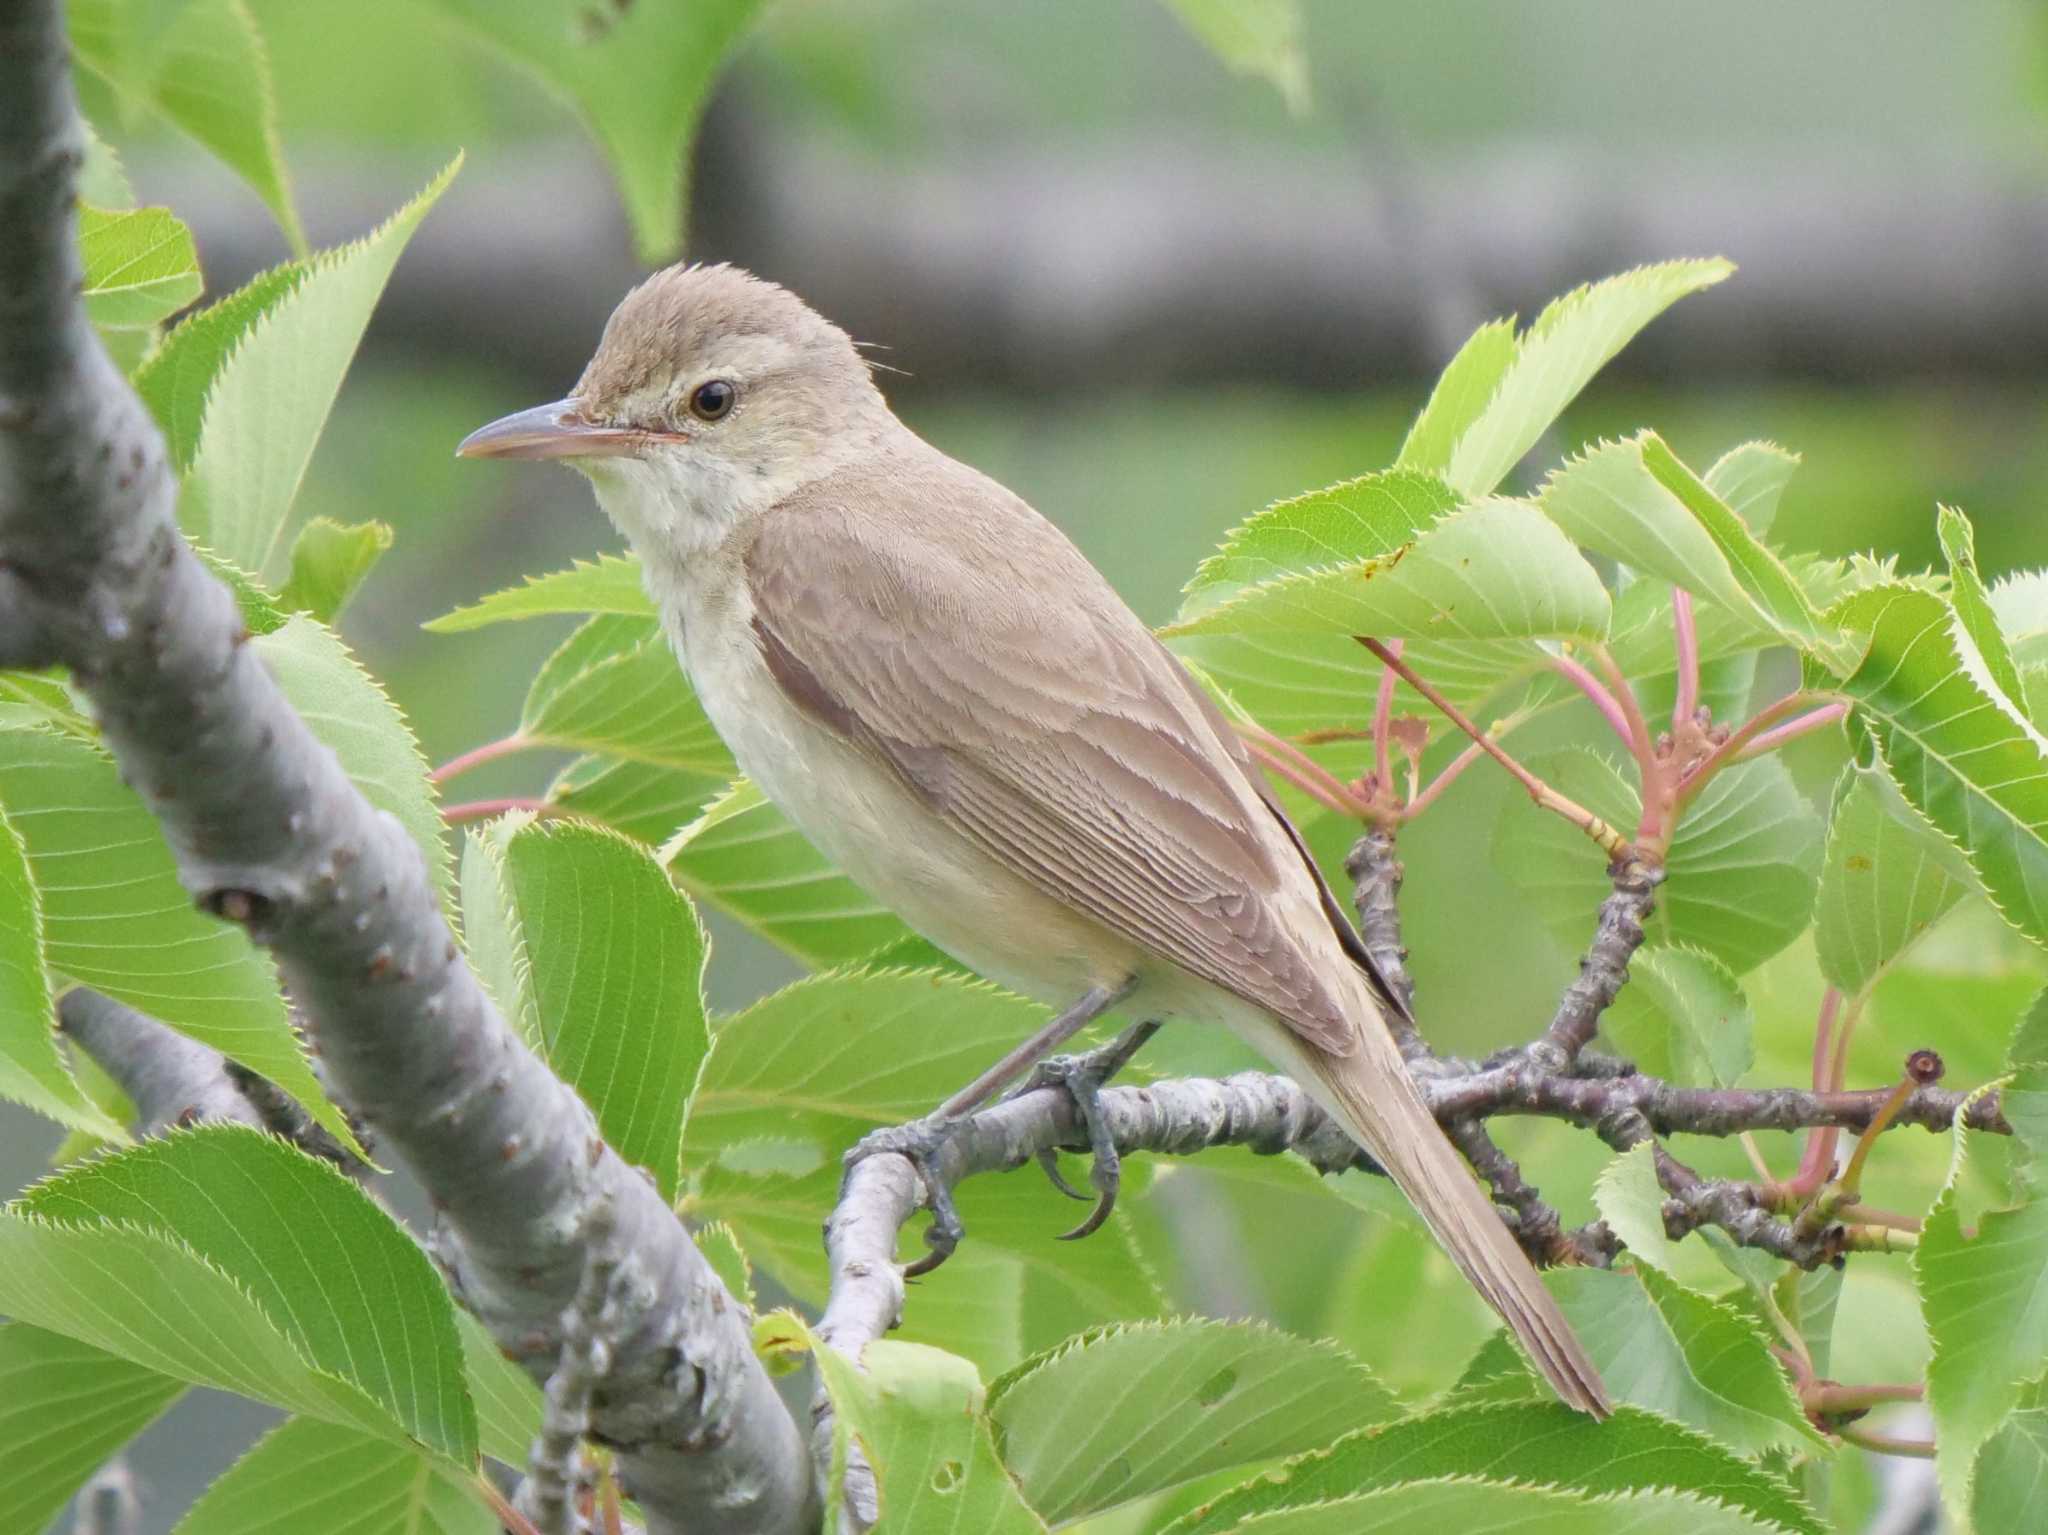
(712, 395)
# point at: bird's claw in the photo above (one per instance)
(920, 1143)
(1082, 1078)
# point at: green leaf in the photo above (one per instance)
(1525, 1443)
(270, 397)
(1984, 1294)
(1608, 500)
(177, 380)
(1740, 876)
(1261, 38)
(149, 1298)
(202, 67)
(1883, 883)
(65, 1407)
(116, 917)
(140, 266)
(1667, 1349)
(259, 610)
(609, 584)
(1377, 516)
(313, 1478)
(2020, 604)
(102, 182)
(1779, 599)
(32, 1069)
(1458, 1503)
(614, 687)
(353, 1293)
(796, 1079)
(1973, 603)
(1683, 1017)
(917, 1415)
(1495, 570)
(508, 1401)
(606, 961)
(354, 718)
(2011, 1481)
(1459, 398)
(638, 75)
(1081, 1428)
(1631, 1201)
(1555, 358)
(1960, 751)
(645, 800)
(743, 856)
(329, 561)
(719, 1246)
(1751, 478)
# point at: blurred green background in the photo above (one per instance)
(1921, 118)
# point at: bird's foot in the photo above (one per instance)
(922, 1143)
(1082, 1078)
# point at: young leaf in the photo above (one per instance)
(1495, 570)
(1608, 500)
(917, 1413)
(1741, 871)
(1683, 1017)
(508, 1401)
(140, 266)
(177, 380)
(608, 584)
(116, 917)
(1752, 478)
(1468, 382)
(1253, 37)
(149, 1298)
(1517, 1442)
(1631, 1201)
(614, 687)
(1973, 603)
(205, 71)
(638, 75)
(1460, 1503)
(270, 397)
(353, 1293)
(1081, 1428)
(1778, 598)
(1984, 1294)
(743, 856)
(32, 1069)
(335, 1481)
(645, 800)
(1572, 340)
(1674, 1352)
(1882, 883)
(353, 717)
(65, 1406)
(606, 964)
(329, 561)
(1961, 752)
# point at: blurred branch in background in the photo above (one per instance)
(1203, 260)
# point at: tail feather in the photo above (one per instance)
(1372, 1094)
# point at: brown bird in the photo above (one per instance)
(943, 694)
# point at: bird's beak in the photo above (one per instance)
(551, 431)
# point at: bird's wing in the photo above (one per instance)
(1004, 683)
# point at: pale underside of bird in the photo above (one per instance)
(949, 700)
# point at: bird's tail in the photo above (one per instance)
(1374, 1097)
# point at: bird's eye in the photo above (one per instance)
(710, 401)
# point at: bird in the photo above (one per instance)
(947, 698)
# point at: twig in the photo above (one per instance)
(484, 809)
(1376, 874)
(1541, 792)
(109, 1504)
(1382, 727)
(170, 1079)
(1442, 781)
(1685, 638)
(267, 830)
(1604, 970)
(477, 756)
(1601, 699)
(558, 1474)
(1777, 736)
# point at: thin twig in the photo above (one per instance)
(1382, 727)
(477, 756)
(1685, 636)
(485, 809)
(1610, 710)
(1616, 937)
(1541, 792)
(1770, 740)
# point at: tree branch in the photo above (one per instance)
(170, 1079)
(1617, 936)
(268, 830)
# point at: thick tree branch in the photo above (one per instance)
(268, 830)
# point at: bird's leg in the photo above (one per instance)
(923, 1140)
(1082, 1077)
